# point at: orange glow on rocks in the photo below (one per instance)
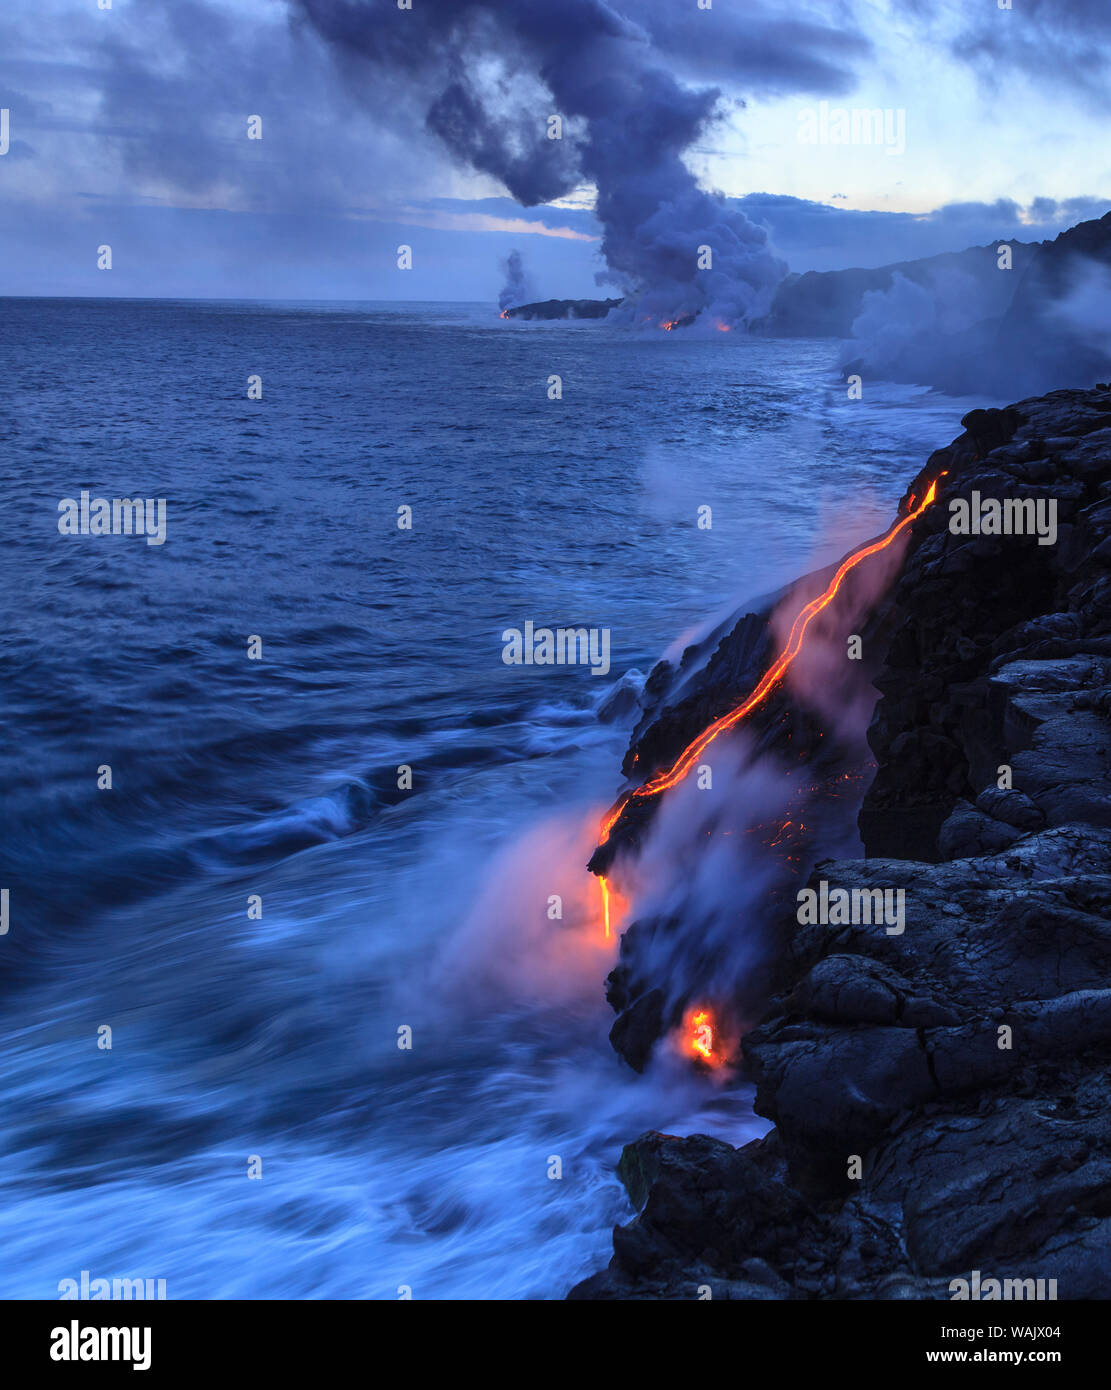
(702, 1035)
(702, 1038)
(668, 777)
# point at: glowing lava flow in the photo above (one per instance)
(663, 781)
(666, 779)
(702, 1036)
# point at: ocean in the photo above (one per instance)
(255, 908)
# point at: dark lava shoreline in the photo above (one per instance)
(965, 1061)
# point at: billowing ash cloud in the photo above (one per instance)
(488, 75)
(518, 287)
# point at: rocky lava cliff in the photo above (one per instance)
(965, 1061)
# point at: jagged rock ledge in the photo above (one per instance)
(965, 1060)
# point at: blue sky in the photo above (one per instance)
(128, 126)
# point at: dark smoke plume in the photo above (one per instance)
(487, 75)
(518, 287)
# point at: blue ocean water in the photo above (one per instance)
(237, 1038)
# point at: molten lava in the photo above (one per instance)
(664, 780)
(702, 1036)
(613, 906)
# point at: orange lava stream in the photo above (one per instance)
(666, 779)
(606, 906)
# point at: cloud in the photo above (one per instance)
(817, 236)
(465, 221)
(155, 105)
(1065, 44)
(759, 48)
(490, 78)
(130, 127)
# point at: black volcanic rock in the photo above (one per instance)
(712, 679)
(704, 1207)
(638, 1028)
(984, 629)
(563, 309)
(964, 1061)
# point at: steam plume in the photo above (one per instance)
(517, 288)
(488, 75)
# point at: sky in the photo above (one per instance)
(128, 127)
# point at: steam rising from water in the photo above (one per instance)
(486, 75)
(510, 952)
(1084, 311)
(703, 876)
(518, 287)
(954, 332)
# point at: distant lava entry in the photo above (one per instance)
(669, 777)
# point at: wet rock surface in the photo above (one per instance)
(940, 1085)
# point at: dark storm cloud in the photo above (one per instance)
(761, 48)
(179, 84)
(1063, 43)
(157, 105)
(488, 75)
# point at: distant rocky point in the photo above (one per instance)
(563, 309)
